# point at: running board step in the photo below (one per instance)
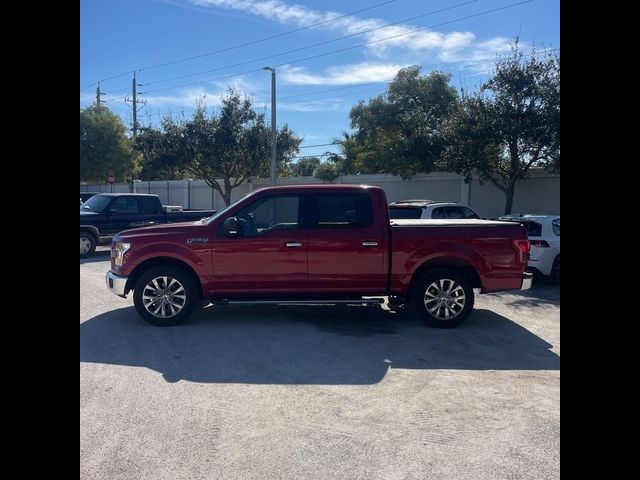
(368, 301)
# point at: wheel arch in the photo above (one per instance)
(161, 261)
(453, 263)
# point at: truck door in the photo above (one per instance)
(347, 245)
(270, 256)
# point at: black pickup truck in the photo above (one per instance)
(106, 214)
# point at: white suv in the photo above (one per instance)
(544, 235)
(421, 209)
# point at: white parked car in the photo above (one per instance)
(544, 235)
(421, 209)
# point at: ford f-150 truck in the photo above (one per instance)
(105, 214)
(317, 244)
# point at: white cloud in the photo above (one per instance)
(210, 96)
(447, 47)
(340, 74)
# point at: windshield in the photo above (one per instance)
(404, 213)
(210, 219)
(96, 204)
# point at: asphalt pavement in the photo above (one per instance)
(242, 392)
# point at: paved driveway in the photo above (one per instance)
(319, 392)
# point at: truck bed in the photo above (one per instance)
(488, 244)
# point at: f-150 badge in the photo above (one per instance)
(198, 240)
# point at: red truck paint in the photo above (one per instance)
(381, 259)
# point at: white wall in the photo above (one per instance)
(538, 194)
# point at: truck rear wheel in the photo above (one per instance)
(443, 297)
(165, 295)
(87, 244)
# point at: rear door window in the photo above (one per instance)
(342, 210)
(439, 212)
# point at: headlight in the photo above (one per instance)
(121, 249)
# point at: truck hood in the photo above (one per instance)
(192, 229)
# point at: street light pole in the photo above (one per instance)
(273, 123)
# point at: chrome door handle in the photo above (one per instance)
(294, 244)
(371, 243)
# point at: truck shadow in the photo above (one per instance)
(308, 345)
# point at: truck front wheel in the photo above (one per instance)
(87, 244)
(443, 297)
(165, 295)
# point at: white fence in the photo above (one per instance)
(538, 194)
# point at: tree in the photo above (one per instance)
(327, 172)
(159, 160)
(511, 125)
(399, 132)
(305, 167)
(104, 147)
(228, 147)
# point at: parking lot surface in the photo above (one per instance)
(241, 392)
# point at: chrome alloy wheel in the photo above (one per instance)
(85, 245)
(164, 297)
(444, 299)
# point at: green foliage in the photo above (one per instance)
(327, 172)
(104, 147)
(304, 167)
(159, 161)
(510, 125)
(226, 148)
(399, 132)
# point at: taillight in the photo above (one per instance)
(539, 243)
(523, 249)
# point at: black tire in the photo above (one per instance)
(87, 238)
(173, 300)
(455, 310)
(554, 276)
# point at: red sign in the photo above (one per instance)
(112, 179)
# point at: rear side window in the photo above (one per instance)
(404, 213)
(534, 229)
(342, 210)
(150, 205)
(555, 224)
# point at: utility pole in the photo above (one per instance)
(134, 101)
(98, 95)
(273, 124)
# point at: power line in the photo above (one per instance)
(334, 89)
(326, 42)
(299, 60)
(234, 47)
(254, 42)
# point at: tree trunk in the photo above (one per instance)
(226, 195)
(509, 194)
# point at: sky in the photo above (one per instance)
(328, 55)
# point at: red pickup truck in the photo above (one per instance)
(317, 244)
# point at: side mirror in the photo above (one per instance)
(232, 228)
